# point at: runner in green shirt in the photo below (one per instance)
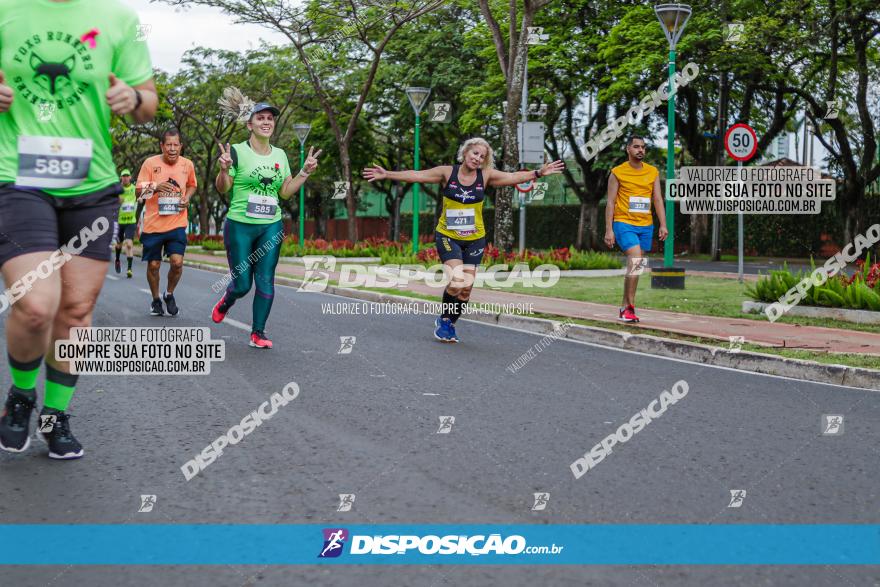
(127, 221)
(66, 66)
(258, 175)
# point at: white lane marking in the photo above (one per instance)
(113, 278)
(237, 324)
(146, 291)
(430, 394)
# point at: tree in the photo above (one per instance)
(356, 34)
(841, 59)
(511, 53)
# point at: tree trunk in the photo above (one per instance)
(203, 216)
(582, 220)
(504, 238)
(593, 209)
(852, 215)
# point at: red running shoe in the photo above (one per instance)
(628, 314)
(259, 340)
(219, 311)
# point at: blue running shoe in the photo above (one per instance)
(453, 337)
(443, 330)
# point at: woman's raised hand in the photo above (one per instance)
(225, 158)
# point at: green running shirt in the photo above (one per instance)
(57, 58)
(256, 183)
(128, 207)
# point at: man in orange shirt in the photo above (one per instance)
(632, 186)
(166, 182)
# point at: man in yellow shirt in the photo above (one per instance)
(628, 221)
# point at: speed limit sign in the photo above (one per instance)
(741, 142)
(526, 186)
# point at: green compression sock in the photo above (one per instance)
(24, 375)
(59, 388)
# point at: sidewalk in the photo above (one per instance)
(760, 332)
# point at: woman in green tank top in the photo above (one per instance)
(258, 175)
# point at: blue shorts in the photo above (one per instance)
(173, 242)
(470, 252)
(629, 236)
(126, 232)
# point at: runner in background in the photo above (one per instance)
(632, 186)
(460, 234)
(165, 184)
(65, 68)
(127, 221)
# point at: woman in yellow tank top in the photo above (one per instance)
(460, 234)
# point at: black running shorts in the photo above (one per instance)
(32, 221)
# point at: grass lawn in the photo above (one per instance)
(707, 296)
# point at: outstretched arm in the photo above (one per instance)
(502, 178)
(433, 175)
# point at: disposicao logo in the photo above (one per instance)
(334, 540)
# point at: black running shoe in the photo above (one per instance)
(171, 304)
(156, 308)
(56, 432)
(118, 266)
(15, 422)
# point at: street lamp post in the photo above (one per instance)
(673, 18)
(302, 131)
(417, 98)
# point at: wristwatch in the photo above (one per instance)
(138, 97)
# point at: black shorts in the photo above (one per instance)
(32, 221)
(470, 252)
(126, 232)
(159, 244)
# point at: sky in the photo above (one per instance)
(172, 31)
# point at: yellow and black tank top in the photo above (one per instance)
(461, 216)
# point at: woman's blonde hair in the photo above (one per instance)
(488, 162)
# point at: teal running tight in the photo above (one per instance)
(253, 251)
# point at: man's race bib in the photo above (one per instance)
(53, 162)
(169, 205)
(263, 207)
(127, 207)
(461, 220)
(639, 205)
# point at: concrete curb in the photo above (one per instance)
(848, 315)
(652, 345)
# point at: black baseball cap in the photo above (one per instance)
(261, 106)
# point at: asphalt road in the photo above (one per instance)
(366, 423)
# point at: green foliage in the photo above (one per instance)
(212, 245)
(838, 292)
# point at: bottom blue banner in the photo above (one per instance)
(210, 544)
